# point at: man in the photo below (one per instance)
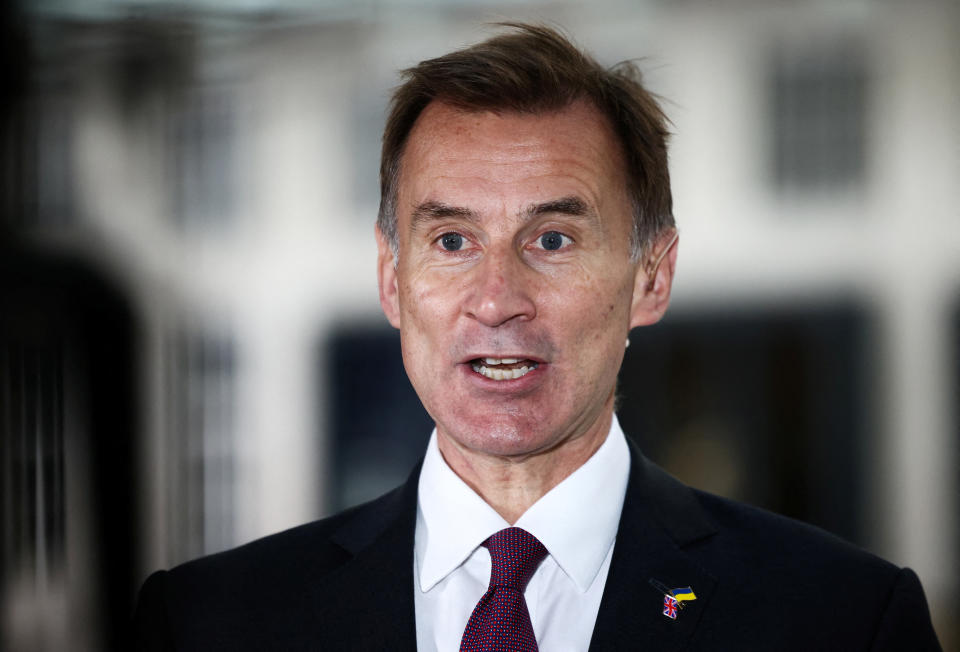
(525, 228)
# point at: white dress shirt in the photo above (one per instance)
(576, 521)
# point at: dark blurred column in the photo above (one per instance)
(68, 390)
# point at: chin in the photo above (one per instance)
(503, 437)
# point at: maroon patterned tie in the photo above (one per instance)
(500, 621)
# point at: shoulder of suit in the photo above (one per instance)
(747, 538)
(314, 547)
(263, 594)
(774, 545)
(793, 577)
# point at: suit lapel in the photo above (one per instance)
(367, 603)
(660, 518)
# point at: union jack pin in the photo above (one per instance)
(673, 599)
(670, 607)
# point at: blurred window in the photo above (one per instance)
(366, 121)
(765, 406)
(201, 470)
(819, 106)
(32, 459)
(68, 480)
(203, 141)
(379, 429)
(39, 177)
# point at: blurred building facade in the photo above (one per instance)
(191, 195)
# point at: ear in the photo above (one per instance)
(387, 280)
(653, 281)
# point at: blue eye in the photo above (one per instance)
(551, 240)
(451, 241)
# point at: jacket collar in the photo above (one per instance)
(661, 518)
(369, 599)
(367, 602)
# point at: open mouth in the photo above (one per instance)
(503, 368)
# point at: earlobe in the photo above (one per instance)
(653, 281)
(387, 280)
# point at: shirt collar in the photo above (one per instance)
(452, 519)
(576, 520)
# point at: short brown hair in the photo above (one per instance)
(535, 69)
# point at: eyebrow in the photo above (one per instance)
(433, 210)
(564, 206)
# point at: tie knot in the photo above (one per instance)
(514, 556)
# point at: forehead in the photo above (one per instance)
(491, 158)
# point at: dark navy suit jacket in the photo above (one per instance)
(762, 581)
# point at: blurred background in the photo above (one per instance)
(192, 353)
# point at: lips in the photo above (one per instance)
(503, 368)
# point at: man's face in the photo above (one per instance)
(514, 289)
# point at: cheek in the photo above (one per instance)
(424, 299)
(598, 331)
(430, 307)
(595, 308)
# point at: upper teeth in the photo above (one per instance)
(494, 373)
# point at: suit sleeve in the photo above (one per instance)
(905, 623)
(151, 632)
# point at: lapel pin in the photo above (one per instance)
(673, 599)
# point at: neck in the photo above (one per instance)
(512, 484)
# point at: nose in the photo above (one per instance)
(500, 290)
